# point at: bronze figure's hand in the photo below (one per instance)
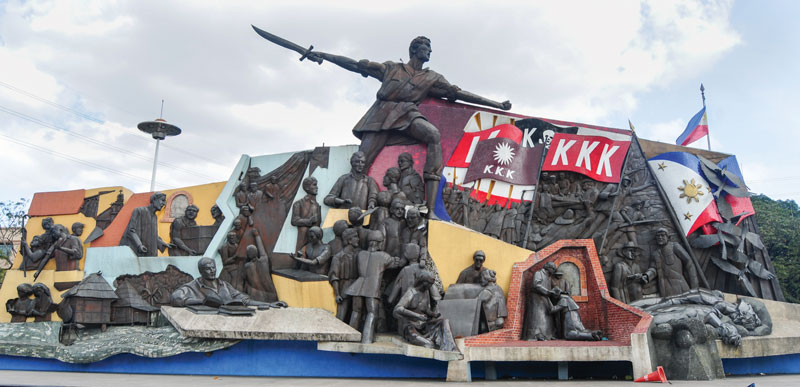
(506, 105)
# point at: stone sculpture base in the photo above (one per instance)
(309, 324)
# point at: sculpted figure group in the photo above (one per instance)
(550, 311)
(55, 243)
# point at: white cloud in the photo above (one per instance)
(232, 92)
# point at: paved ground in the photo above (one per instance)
(29, 378)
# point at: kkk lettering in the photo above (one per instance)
(597, 157)
(502, 159)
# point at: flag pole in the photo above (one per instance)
(708, 134)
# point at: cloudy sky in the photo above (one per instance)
(76, 78)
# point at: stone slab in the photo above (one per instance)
(390, 344)
(308, 324)
(300, 275)
(550, 353)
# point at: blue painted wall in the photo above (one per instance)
(784, 364)
(252, 358)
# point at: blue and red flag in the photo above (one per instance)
(686, 189)
(739, 205)
(695, 130)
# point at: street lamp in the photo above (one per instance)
(159, 129)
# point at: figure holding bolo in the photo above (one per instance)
(394, 118)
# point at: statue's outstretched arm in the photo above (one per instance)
(364, 67)
(454, 93)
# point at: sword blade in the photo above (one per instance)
(280, 41)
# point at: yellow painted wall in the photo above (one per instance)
(203, 196)
(451, 246)
(317, 294)
(47, 277)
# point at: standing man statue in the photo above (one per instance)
(354, 189)
(306, 212)
(142, 231)
(672, 266)
(410, 181)
(395, 118)
(176, 231)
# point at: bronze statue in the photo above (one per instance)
(391, 180)
(60, 251)
(355, 188)
(472, 274)
(232, 265)
(571, 325)
(246, 215)
(626, 278)
(366, 289)
(306, 212)
(41, 306)
(381, 212)
(240, 194)
(493, 301)
(410, 181)
(392, 227)
(210, 291)
(356, 218)
(40, 246)
(218, 216)
(337, 244)
(672, 266)
(177, 226)
(408, 274)
(344, 271)
(69, 248)
(540, 324)
(315, 255)
(23, 306)
(419, 320)
(416, 231)
(395, 118)
(257, 275)
(141, 235)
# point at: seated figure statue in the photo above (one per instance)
(493, 301)
(418, 319)
(210, 291)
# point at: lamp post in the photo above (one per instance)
(159, 129)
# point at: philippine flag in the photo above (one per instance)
(695, 130)
(688, 192)
(739, 205)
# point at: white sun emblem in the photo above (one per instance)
(503, 153)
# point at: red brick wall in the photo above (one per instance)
(600, 311)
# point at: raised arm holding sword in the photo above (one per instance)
(394, 118)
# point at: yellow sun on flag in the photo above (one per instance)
(691, 190)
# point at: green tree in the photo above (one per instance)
(12, 218)
(779, 226)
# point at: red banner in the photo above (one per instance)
(597, 157)
(465, 150)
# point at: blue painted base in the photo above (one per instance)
(784, 364)
(252, 358)
(301, 358)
